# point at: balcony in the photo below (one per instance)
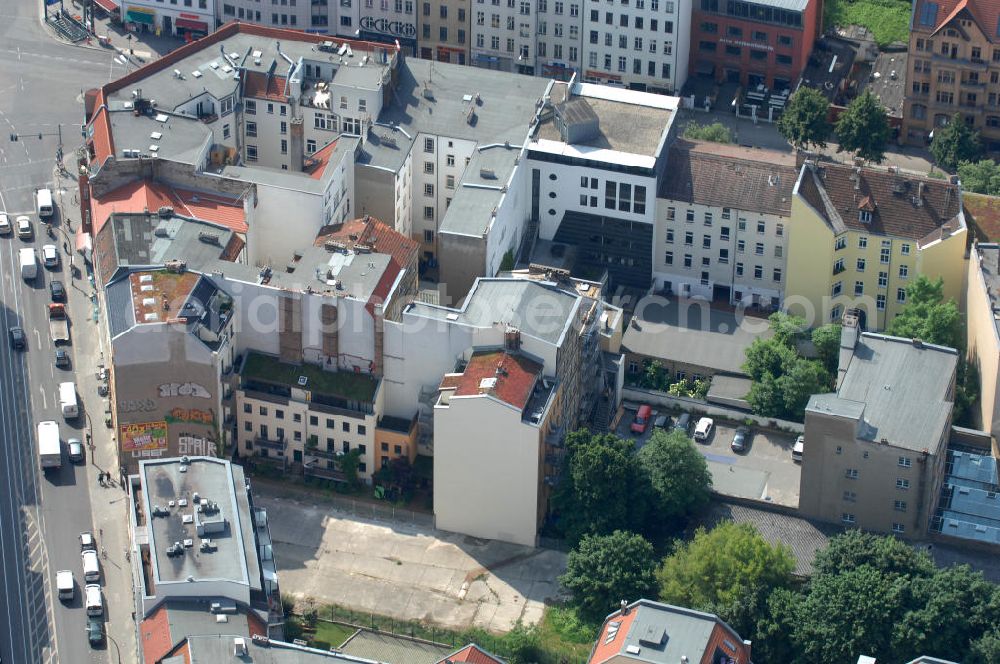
(321, 453)
(268, 444)
(315, 470)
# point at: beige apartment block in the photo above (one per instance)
(875, 450)
(954, 67)
(445, 31)
(982, 333)
(303, 418)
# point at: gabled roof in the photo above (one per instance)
(986, 13)
(319, 160)
(903, 206)
(729, 176)
(149, 195)
(258, 85)
(472, 654)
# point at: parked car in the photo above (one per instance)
(50, 255)
(57, 290)
(62, 358)
(661, 422)
(24, 230)
(800, 444)
(75, 450)
(703, 429)
(683, 423)
(18, 340)
(641, 421)
(741, 440)
(95, 631)
(87, 541)
(5, 227)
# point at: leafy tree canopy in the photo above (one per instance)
(954, 143)
(604, 569)
(715, 132)
(679, 480)
(826, 340)
(863, 128)
(803, 122)
(981, 177)
(928, 317)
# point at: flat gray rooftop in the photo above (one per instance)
(623, 127)
(989, 267)
(149, 239)
(214, 480)
(356, 275)
(905, 390)
(479, 191)
(536, 309)
(218, 648)
(693, 333)
(382, 647)
(181, 139)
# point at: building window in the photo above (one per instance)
(840, 243)
(904, 271)
(850, 497)
(883, 279)
(708, 218)
(670, 236)
(689, 216)
(905, 249)
(840, 450)
(706, 241)
(777, 274)
(847, 518)
(248, 426)
(902, 484)
(688, 239)
(851, 473)
(904, 462)
(251, 153)
(884, 255)
(898, 528)
(739, 269)
(428, 212)
(901, 295)
(330, 423)
(429, 145)
(362, 429)
(880, 302)
(899, 505)
(428, 189)
(862, 242)
(284, 146)
(838, 286)
(860, 266)
(687, 260)
(428, 236)
(859, 288)
(668, 258)
(758, 272)
(671, 213)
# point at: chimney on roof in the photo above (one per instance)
(919, 200)
(624, 606)
(857, 178)
(917, 342)
(849, 334)
(747, 643)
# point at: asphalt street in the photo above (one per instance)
(41, 85)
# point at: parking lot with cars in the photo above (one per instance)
(760, 468)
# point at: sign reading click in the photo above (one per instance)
(388, 27)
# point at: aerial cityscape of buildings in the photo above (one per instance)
(326, 245)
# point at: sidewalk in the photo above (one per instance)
(143, 47)
(109, 504)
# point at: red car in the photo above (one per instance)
(641, 421)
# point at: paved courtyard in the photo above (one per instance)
(408, 572)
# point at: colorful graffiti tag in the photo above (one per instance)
(144, 436)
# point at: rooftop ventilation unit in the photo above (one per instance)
(178, 74)
(428, 94)
(196, 74)
(327, 47)
(165, 211)
(208, 238)
(303, 381)
(487, 174)
(239, 647)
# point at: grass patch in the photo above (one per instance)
(333, 633)
(888, 20)
(570, 637)
(343, 384)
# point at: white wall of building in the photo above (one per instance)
(501, 501)
(508, 225)
(726, 249)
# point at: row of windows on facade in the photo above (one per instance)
(297, 456)
(331, 444)
(741, 245)
(279, 414)
(861, 264)
(753, 11)
(758, 270)
(955, 50)
(638, 44)
(848, 519)
(727, 214)
(620, 196)
(736, 51)
(886, 246)
(859, 290)
(852, 497)
(665, 67)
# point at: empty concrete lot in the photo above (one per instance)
(408, 572)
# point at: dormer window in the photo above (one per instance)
(864, 216)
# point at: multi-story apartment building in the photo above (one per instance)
(504, 396)
(503, 35)
(860, 236)
(875, 450)
(755, 42)
(189, 18)
(980, 304)
(954, 67)
(387, 22)
(560, 39)
(445, 31)
(642, 46)
(722, 222)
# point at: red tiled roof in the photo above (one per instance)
(607, 648)
(473, 654)
(986, 13)
(319, 160)
(382, 288)
(983, 215)
(514, 379)
(261, 86)
(100, 131)
(155, 635)
(140, 195)
(372, 232)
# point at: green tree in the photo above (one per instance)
(654, 375)
(803, 122)
(854, 549)
(787, 329)
(986, 649)
(603, 487)
(678, 477)
(604, 569)
(826, 340)
(767, 357)
(715, 132)
(954, 143)
(775, 627)
(928, 317)
(765, 397)
(863, 128)
(803, 379)
(981, 177)
(729, 570)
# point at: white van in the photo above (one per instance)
(798, 448)
(94, 601)
(91, 567)
(43, 201)
(29, 263)
(67, 400)
(65, 584)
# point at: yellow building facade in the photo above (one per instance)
(859, 237)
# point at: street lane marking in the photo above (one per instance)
(44, 402)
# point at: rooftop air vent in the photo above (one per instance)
(487, 174)
(428, 94)
(208, 238)
(165, 211)
(303, 381)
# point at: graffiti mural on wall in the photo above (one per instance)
(191, 416)
(144, 436)
(196, 446)
(184, 390)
